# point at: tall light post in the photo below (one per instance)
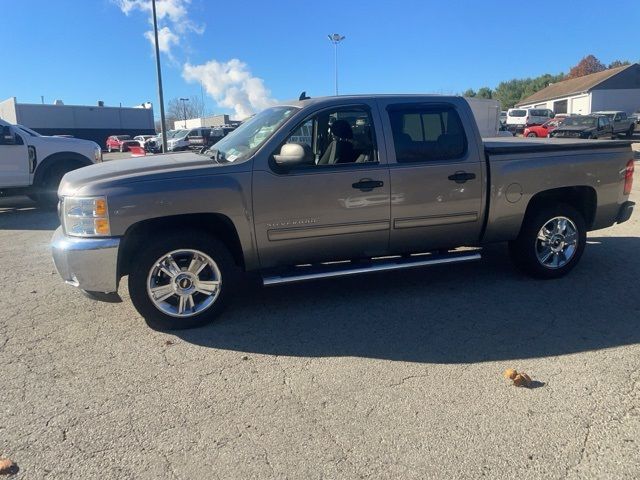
(159, 72)
(336, 38)
(184, 110)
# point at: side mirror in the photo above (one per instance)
(7, 137)
(291, 154)
(553, 115)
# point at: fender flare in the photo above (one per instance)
(73, 159)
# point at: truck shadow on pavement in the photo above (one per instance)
(21, 213)
(459, 314)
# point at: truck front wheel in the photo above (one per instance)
(46, 192)
(551, 241)
(182, 280)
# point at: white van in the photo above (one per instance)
(520, 118)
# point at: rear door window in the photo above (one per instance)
(423, 134)
(517, 113)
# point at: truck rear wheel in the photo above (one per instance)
(551, 241)
(182, 280)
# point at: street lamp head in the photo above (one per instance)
(184, 99)
(336, 37)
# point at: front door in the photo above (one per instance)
(336, 205)
(437, 177)
(14, 161)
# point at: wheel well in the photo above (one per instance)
(63, 160)
(583, 198)
(214, 224)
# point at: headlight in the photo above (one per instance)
(86, 216)
(97, 154)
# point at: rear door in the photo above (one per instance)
(336, 206)
(437, 176)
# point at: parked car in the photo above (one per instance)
(33, 164)
(636, 116)
(544, 129)
(194, 138)
(503, 117)
(120, 143)
(620, 123)
(520, 118)
(584, 126)
(378, 183)
(143, 139)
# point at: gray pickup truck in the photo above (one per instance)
(621, 124)
(327, 187)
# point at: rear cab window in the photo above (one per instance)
(517, 113)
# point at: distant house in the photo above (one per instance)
(613, 89)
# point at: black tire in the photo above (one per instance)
(121, 148)
(109, 149)
(630, 132)
(524, 249)
(146, 259)
(531, 135)
(46, 192)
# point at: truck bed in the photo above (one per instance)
(511, 145)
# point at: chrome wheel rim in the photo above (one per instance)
(557, 242)
(184, 283)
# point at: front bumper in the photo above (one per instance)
(624, 214)
(90, 264)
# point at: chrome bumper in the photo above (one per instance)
(90, 264)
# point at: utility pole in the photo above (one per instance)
(336, 38)
(184, 110)
(159, 71)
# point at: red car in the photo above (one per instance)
(544, 129)
(120, 142)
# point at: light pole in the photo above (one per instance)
(336, 38)
(159, 71)
(184, 110)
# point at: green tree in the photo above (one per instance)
(619, 63)
(485, 92)
(470, 92)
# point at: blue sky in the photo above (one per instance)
(89, 50)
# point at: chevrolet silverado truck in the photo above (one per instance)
(33, 165)
(327, 187)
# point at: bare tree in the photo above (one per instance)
(178, 110)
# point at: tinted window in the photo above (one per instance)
(426, 134)
(517, 113)
(540, 113)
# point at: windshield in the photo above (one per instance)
(178, 134)
(248, 137)
(517, 113)
(579, 122)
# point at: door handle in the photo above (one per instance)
(366, 184)
(462, 177)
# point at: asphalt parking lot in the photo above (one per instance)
(384, 376)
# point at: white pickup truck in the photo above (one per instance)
(33, 165)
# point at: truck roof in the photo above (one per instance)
(356, 98)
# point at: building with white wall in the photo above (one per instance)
(81, 121)
(613, 89)
(207, 121)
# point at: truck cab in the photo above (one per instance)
(33, 164)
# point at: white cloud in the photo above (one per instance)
(172, 13)
(166, 39)
(231, 85)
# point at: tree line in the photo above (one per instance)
(510, 92)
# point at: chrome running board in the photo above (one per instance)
(382, 264)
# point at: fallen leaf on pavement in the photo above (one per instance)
(7, 466)
(510, 373)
